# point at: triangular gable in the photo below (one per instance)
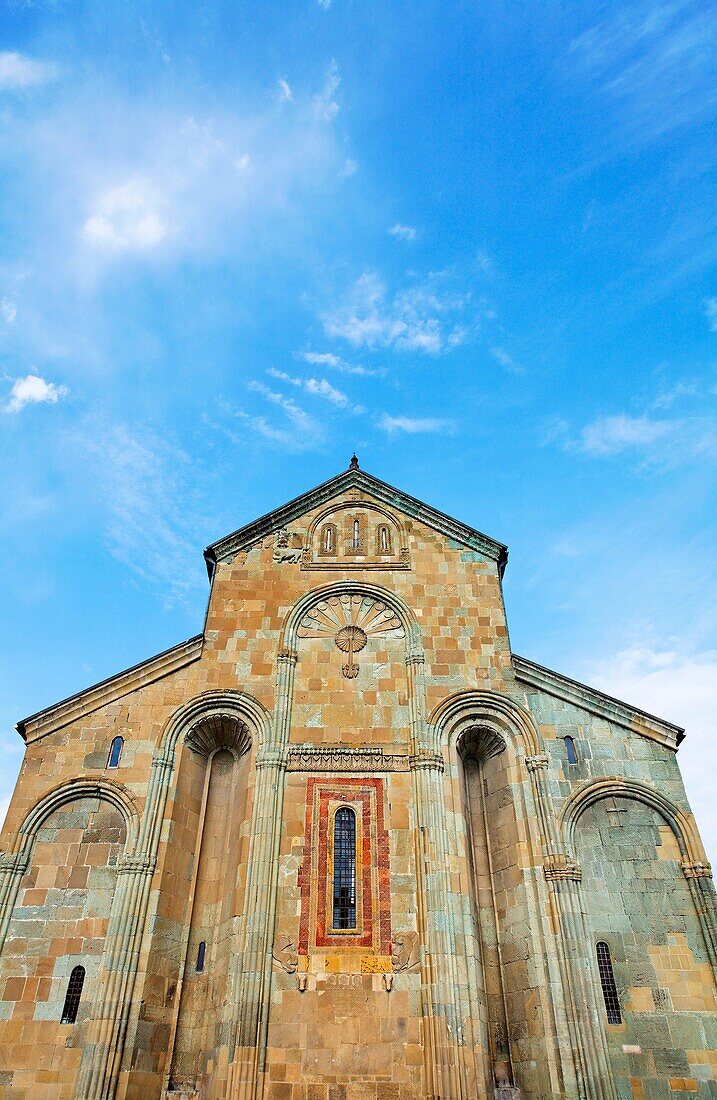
(355, 478)
(596, 702)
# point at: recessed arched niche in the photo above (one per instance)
(357, 533)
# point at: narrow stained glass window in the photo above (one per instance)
(115, 752)
(201, 951)
(345, 868)
(571, 751)
(72, 997)
(607, 981)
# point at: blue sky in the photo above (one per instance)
(476, 243)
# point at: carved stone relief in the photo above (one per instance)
(351, 620)
(286, 547)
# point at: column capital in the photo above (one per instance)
(14, 863)
(163, 763)
(287, 656)
(414, 657)
(697, 870)
(137, 865)
(271, 757)
(561, 867)
(432, 761)
(535, 763)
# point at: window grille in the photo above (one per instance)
(571, 750)
(201, 951)
(115, 752)
(607, 981)
(345, 868)
(72, 997)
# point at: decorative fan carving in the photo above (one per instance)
(350, 620)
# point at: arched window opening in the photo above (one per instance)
(73, 994)
(607, 981)
(115, 752)
(384, 540)
(571, 750)
(328, 539)
(345, 868)
(356, 540)
(201, 952)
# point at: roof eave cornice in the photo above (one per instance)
(115, 687)
(596, 702)
(354, 479)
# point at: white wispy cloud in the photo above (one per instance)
(148, 492)
(318, 387)
(422, 318)
(349, 169)
(285, 93)
(19, 71)
(8, 310)
(335, 362)
(656, 62)
(681, 687)
(33, 390)
(506, 360)
(608, 435)
(325, 105)
(127, 217)
(711, 313)
(403, 232)
(303, 431)
(412, 425)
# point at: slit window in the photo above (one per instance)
(571, 750)
(607, 981)
(327, 540)
(115, 752)
(345, 868)
(356, 540)
(201, 952)
(73, 994)
(384, 540)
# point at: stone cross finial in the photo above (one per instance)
(353, 464)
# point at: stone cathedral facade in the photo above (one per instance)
(345, 845)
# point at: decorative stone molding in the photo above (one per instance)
(559, 867)
(287, 656)
(311, 758)
(696, 870)
(271, 758)
(414, 657)
(534, 763)
(219, 731)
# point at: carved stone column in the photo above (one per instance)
(12, 868)
(589, 1045)
(702, 889)
(253, 983)
(444, 1039)
(102, 1056)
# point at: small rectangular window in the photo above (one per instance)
(72, 996)
(571, 751)
(607, 981)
